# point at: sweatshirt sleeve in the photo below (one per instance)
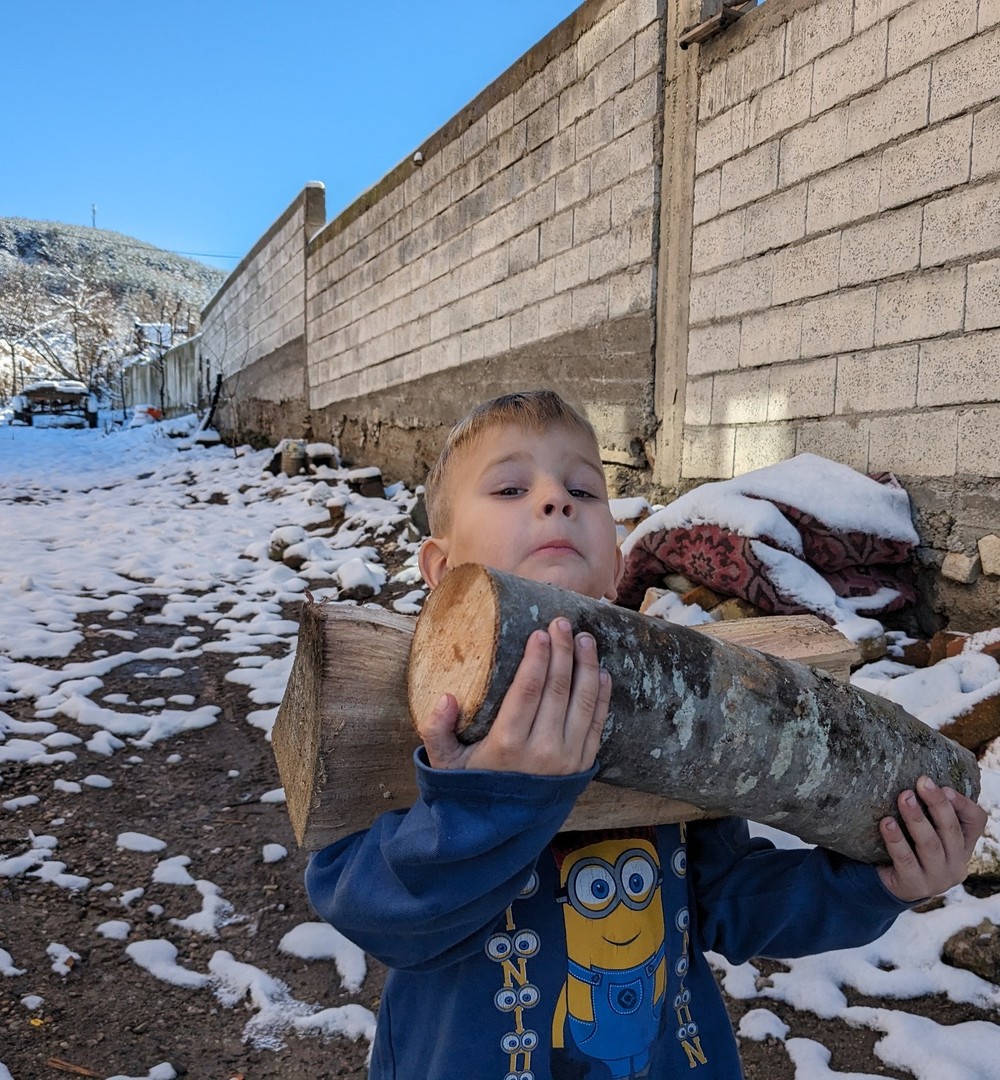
(756, 900)
(416, 888)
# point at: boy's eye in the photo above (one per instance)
(579, 493)
(508, 491)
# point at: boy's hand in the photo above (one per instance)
(550, 720)
(942, 845)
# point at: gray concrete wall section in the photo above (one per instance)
(531, 222)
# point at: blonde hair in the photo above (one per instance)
(533, 409)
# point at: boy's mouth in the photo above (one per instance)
(556, 547)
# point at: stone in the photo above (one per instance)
(975, 949)
(678, 583)
(703, 596)
(652, 595)
(946, 643)
(964, 569)
(989, 554)
(872, 648)
(915, 653)
(735, 608)
(977, 728)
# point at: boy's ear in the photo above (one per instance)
(612, 593)
(433, 560)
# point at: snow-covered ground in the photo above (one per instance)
(89, 524)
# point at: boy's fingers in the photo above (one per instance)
(971, 817)
(550, 718)
(596, 732)
(583, 698)
(437, 731)
(521, 702)
(922, 831)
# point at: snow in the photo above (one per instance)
(86, 542)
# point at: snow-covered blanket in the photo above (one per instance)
(805, 535)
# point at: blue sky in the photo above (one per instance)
(192, 125)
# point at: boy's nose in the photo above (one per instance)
(558, 504)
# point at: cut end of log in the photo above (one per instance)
(455, 644)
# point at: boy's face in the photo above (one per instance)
(531, 503)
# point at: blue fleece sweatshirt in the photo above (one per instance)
(517, 952)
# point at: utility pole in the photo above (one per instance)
(93, 215)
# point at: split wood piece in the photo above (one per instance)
(344, 740)
(723, 727)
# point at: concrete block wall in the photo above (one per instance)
(532, 218)
(845, 271)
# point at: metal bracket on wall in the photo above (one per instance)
(716, 15)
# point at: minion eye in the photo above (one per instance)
(638, 877)
(595, 886)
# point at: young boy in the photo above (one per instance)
(517, 952)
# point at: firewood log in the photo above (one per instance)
(725, 728)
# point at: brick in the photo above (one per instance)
(896, 108)
(966, 76)
(869, 12)
(575, 101)
(708, 453)
(571, 268)
(615, 73)
(839, 323)
(556, 234)
(815, 30)
(592, 218)
(555, 315)
(845, 441)
(813, 148)
(590, 304)
(776, 221)
(801, 390)
(928, 28)
(702, 298)
(542, 124)
(641, 235)
(887, 245)
(960, 370)
(880, 381)
(643, 152)
(718, 242)
(573, 185)
(771, 337)
(707, 190)
(850, 69)
(843, 195)
(927, 163)
(713, 348)
(740, 397)
(989, 13)
(610, 165)
(500, 118)
(982, 297)
(779, 107)
(744, 287)
(760, 445)
(749, 177)
(921, 306)
(524, 327)
(633, 196)
(807, 269)
(648, 53)
(957, 566)
(978, 438)
(635, 105)
(986, 143)
(698, 402)
(963, 224)
(596, 43)
(609, 253)
(522, 252)
(595, 130)
(899, 444)
(712, 91)
(722, 138)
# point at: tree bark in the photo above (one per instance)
(725, 728)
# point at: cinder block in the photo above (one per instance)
(609, 253)
(966, 76)
(771, 337)
(869, 12)
(845, 441)
(523, 251)
(573, 185)
(850, 69)
(537, 205)
(839, 323)
(986, 142)
(962, 224)
(647, 50)
(643, 152)
(556, 234)
(641, 238)
(740, 397)
(814, 147)
(593, 217)
(718, 242)
(599, 41)
(631, 292)
(614, 73)
(708, 453)
(887, 245)
(896, 108)
(921, 306)
(989, 14)
(524, 326)
(909, 446)
(978, 438)
(780, 107)
(575, 101)
(982, 297)
(775, 221)
(816, 29)
(713, 348)
(762, 444)
(758, 64)
(749, 177)
(959, 371)
(801, 390)
(707, 190)
(636, 195)
(698, 401)
(542, 124)
(499, 118)
(744, 287)
(485, 270)
(927, 163)
(635, 104)
(806, 269)
(703, 293)
(590, 304)
(555, 315)
(881, 381)
(843, 195)
(722, 138)
(928, 28)
(610, 165)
